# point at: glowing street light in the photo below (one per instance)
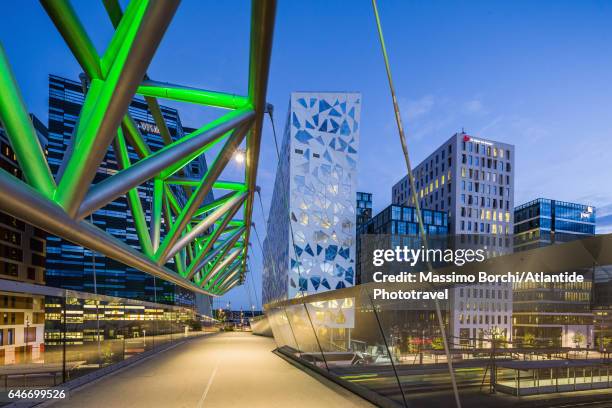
(239, 156)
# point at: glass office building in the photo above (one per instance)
(544, 221)
(310, 240)
(553, 314)
(364, 207)
(394, 226)
(472, 179)
(70, 266)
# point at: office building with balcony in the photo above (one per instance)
(310, 240)
(22, 259)
(70, 266)
(472, 180)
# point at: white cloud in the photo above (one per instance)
(415, 109)
(473, 106)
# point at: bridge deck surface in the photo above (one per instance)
(224, 370)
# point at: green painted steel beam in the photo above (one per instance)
(171, 170)
(263, 15)
(220, 185)
(21, 132)
(138, 215)
(211, 206)
(68, 24)
(205, 251)
(192, 95)
(156, 212)
(200, 193)
(113, 95)
(121, 35)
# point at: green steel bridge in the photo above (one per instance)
(208, 242)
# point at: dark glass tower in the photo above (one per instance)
(72, 267)
(363, 208)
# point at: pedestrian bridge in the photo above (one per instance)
(227, 369)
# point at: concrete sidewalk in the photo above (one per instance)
(225, 370)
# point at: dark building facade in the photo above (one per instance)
(544, 221)
(363, 209)
(71, 266)
(22, 258)
(396, 225)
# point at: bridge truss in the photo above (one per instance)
(207, 241)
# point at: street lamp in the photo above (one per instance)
(493, 332)
(27, 335)
(239, 155)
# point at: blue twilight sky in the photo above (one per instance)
(535, 74)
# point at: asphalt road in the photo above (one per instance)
(224, 370)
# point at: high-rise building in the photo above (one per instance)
(22, 259)
(363, 208)
(556, 314)
(310, 240)
(544, 221)
(472, 179)
(71, 266)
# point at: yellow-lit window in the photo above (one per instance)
(495, 152)
(463, 172)
(488, 214)
(443, 179)
(494, 228)
(482, 214)
(436, 183)
(431, 186)
(507, 217)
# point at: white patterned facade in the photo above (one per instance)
(313, 202)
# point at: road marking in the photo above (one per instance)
(210, 381)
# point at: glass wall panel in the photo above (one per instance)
(303, 331)
(49, 335)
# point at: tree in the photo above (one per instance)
(437, 343)
(529, 339)
(578, 338)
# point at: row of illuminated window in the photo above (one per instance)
(483, 306)
(559, 225)
(584, 285)
(482, 319)
(485, 176)
(486, 214)
(552, 319)
(482, 293)
(486, 150)
(469, 199)
(565, 296)
(485, 228)
(484, 188)
(424, 174)
(485, 162)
